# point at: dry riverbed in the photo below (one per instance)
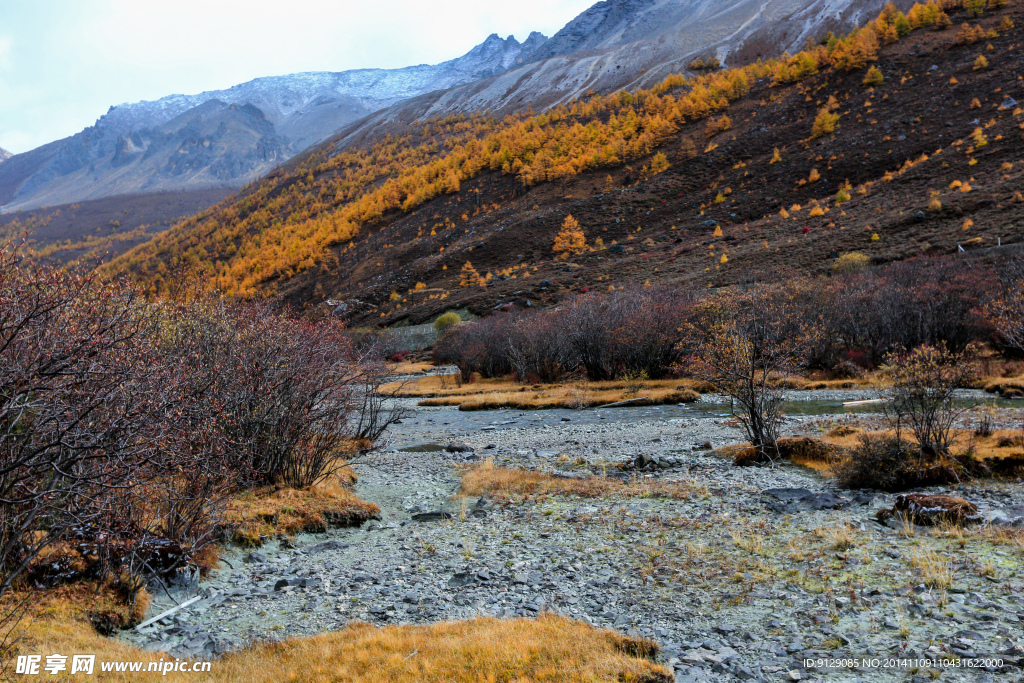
(742, 578)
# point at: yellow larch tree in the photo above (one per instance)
(570, 240)
(468, 277)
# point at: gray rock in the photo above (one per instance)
(433, 516)
(790, 500)
(461, 579)
(324, 547)
(1014, 523)
(644, 461)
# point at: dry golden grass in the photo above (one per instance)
(935, 571)
(1002, 443)
(411, 367)
(1004, 386)
(823, 453)
(484, 394)
(866, 382)
(816, 454)
(502, 484)
(1002, 536)
(549, 648)
(254, 516)
(489, 394)
(840, 536)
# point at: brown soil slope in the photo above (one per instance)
(932, 160)
(100, 229)
(932, 99)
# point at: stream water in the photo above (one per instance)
(421, 428)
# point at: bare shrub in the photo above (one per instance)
(738, 342)
(922, 399)
(603, 335)
(636, 329)
(289, 397)
(891, 463)
(1006, 310)
(907, 304)
(75, 410)
(477, 346)
(922, 395)
(536, 347)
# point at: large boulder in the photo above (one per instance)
(932, 509)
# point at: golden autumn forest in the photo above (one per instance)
(287, 222)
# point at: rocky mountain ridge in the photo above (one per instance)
(614, 44)
(628, 44)
(289, 101)
(4, 155)
(225, 138)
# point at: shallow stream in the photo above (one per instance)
(426, 424)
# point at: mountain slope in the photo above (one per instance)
(101, 229)
(4, 155)
(629, 44)
(244, 131)
(614, 44)
(494, 193)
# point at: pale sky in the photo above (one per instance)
(63, 63)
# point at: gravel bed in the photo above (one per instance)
(733, 582)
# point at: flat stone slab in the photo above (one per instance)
(790, 500)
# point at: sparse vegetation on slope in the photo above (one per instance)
(302, 220)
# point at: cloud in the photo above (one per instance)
(5, 53)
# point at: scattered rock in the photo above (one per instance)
(281, 584)
(1008, 522)
(459, 447)
(643, 462)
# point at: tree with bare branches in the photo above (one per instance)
(741, 343)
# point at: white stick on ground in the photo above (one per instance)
(169, 612)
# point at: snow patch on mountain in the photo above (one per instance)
(283, 97)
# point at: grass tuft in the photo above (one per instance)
(490, 394)
(509, 484)
(254, 516)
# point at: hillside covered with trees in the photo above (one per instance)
(898, 139)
